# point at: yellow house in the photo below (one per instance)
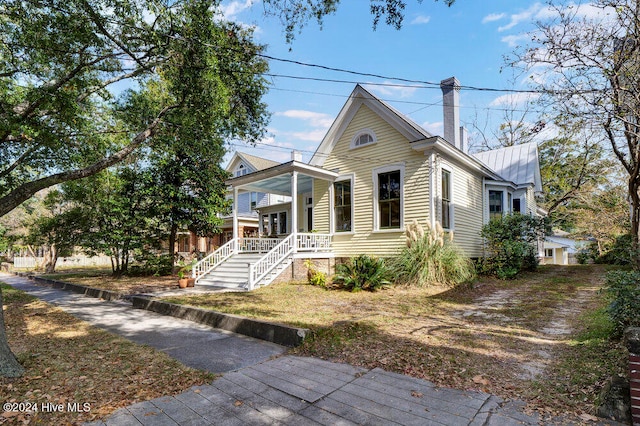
(374, 172)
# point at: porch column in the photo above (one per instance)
(294, 209)
(235, 219)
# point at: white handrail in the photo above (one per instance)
(258, 270)
(205, 265)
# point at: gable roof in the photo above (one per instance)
(255, 163)
(358, 97)
(419, 138)
(518, 163)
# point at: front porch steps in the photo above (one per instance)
(233, 273)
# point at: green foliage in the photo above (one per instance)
(294, 14)
(119, 212)
(150, 263)
(623, 289)
(188, 72)
(511, 241)
(618, 253)
(362, 273)
(430, 259)
(315, 276)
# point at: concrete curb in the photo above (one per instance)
(271, 332)
(75, 288)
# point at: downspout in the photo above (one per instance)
(432, 189)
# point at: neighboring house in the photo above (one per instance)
(559, 249)
(240, 164)
(374, 172)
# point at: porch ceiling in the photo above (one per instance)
(277, 179)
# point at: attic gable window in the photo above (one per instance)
(362, 138)
(241, 170)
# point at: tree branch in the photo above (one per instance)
(27, 190)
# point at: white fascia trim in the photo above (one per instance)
(441, 145)
(374, 175)
(452, 201)
(350, 177)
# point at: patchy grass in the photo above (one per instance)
(102, 278)
(540, 338)
(69, 361)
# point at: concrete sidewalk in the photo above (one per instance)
(257, 389)
(196, 345)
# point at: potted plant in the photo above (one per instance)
(183, 281)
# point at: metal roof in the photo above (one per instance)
(518, 163)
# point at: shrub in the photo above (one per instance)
(623, 289)
(362, 273)
(511, 241)
(620, 252)
(430, 259)
(314, 276)
(149, 263)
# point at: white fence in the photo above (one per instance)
(68, 262)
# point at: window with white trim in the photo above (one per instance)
(342, 207)
(389, 189)
(446, 210)
(496, 206)
(241, 170)
(362, 138)
(253, 200)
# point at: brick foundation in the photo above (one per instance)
(298, 272)
(632, 339)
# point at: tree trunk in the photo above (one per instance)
(634, 187)
(9, 365)
(50, 264)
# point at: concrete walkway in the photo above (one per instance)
(258, 389)
(195, 345)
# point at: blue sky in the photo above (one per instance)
(467, 40)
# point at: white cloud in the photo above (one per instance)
(493, 17)
(232, 9)
(400, 91)
(524, 16)
(316, 119)
(514, 40)
(420, 20)
(513, 99)
(436, 128)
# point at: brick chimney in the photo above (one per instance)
(451, 111)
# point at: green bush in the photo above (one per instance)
(623, 289)
(620, 252)
(149, 263)
(362, 273)
(511, 242)
(430, 259)
(314, 276)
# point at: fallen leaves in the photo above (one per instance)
(92, 366)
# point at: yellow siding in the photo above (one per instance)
(391, 148)
(321, 206)
(467, 209)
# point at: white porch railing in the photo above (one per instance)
(207, 264)
(257, 245)
(259, 270)
(276, 252)
(313, 242)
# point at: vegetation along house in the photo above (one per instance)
(374, 172)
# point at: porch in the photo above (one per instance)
(248, 263)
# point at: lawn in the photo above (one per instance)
(69, 361)
(540, 338)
